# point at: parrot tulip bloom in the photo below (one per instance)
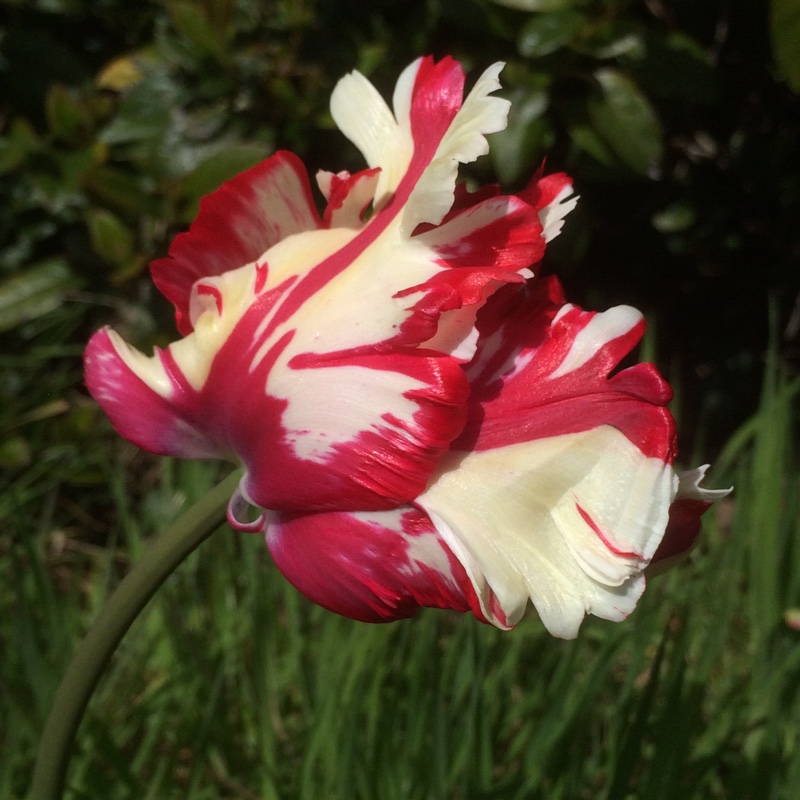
(421, 421)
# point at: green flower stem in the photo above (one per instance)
(95, 651)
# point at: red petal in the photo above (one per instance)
(530, 379)
(683, 529)
(349, 198)
(235, 225)
(501, 232)
(544, 189)
(148, 419)
(374, 567)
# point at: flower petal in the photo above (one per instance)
(235, 225)
(348, 196)
(559, 487)
(358, 427)
(463, 138)
(542, 369)
(551, 196)
(501, 232)
(373, 567)
(568, 521)
(683, 528)
(329, 363)
(150, 419)
(419, 147)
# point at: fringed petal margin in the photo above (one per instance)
(683, 528)
(559, 488)
(542, 369)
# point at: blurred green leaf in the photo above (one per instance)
(52, 408)
(122, 190)
(538, 5)
(37, 291)
(586, 137)
(18, 142)
(192, 20)
(66, 115)
(625, 120)
(784, 21)
(611, 39)
(514, 149)
(545, 33)
(575, 118)
(674, 218)
(111, 239)
(15, 452)
(145, 110)
(675, 66)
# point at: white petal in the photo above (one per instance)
(568, 521)
(552, 215)
(465, 140)
(603, 327)
(689, 487)
(362, 115)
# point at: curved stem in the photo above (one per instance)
(94, 652)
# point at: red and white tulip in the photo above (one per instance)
(422, 420)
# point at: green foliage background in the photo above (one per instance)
(676, 119)
(680, 122)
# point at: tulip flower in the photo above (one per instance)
(422, 418)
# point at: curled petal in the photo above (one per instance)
(235, 225)
(559, 488)
(419, 147)
(683, 528)
(551, 196)
(568, 521)
(142, 398)
(373, 567)
(542, 369)
(239, 508)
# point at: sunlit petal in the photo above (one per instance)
(235, 225)
(568, 522)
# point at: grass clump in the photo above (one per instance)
(232, 685)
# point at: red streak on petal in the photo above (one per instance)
(516, 397)
(496, 610)
(262, 270)
(437, 96)
(204, 288)
(435, 100)
(176, 376)
(366, 570)
(603, 538)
